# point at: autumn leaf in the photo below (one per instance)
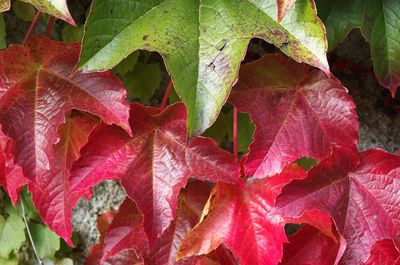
(202, 44)
(4, 5)
(378, 21)
(243, 214)
(384, 252)
(37, 90)
(11, 177)
(361, 193)
(154, 164)
(310, 246)
(50, 195)
(301, 116)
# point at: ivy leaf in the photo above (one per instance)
(243, 214)
(360, 192)
(50, 195)
(153, 164)
(283, 7)
(202, 44)
(46, 242)
(12, 234)
(37, 90)
(125, 232)
(384, 252)
(124, 257)
(11, 177)
(4, 5)
(58, 9)
(378, 21)
(310, 246)
(301, 116)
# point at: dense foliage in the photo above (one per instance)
(73, 114)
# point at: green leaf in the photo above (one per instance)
(306, 162)
(2, 33)
(142, 81)
(202, 42)
(46, 242)
(222, 130)
(12, 234)
(126, 64)
(10, 261)
(57, 8)
(24, 11)
(30, 210)
(380, 23)
(72, 34)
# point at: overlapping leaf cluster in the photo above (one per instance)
(65, 128)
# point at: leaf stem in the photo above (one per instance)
(50, 26)
(31, 27)
(166, 95)
(235, 140)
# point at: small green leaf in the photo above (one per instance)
(46, 242)
(126, 64)
(72, 34)
(2, 33)
(380, 24)
(24, 11)
(10, 261)
(30, 210)
(306, 162)
(142, 81)
(12, 234)
(202, 42)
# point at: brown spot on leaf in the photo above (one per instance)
(282, 36)
(145, 37)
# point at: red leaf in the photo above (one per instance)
(125, 232)
(384, 253)
(361, 192)
(241, 219)
(37, 90)
(310, 246)
(154, 164)
(191, 202)
(50, 195)
(301, 116)
(11, 177)
(283, 7)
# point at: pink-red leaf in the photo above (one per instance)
(154, 164)
(310, 246)
(240, 217)
(298, 112)
(125, 232)
(37, 90)
(384, 252)
(11, 177)
(360, 191)
(50, 194)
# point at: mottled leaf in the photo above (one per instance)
(56, 8)
(380, 23)
(153, 164)
(37, 90)
(301, 116)
(283, 7)
(202, 42)
(360, 191)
